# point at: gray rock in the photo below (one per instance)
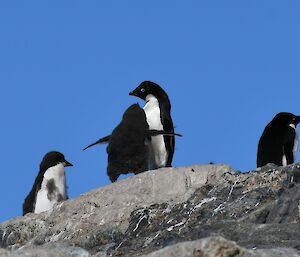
(163, 208)
(103, 214)
(217, 247)
(51, 250)
(209, 247)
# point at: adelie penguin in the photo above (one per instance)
(50, 184)
(127, 148)
(279, 141)
(158, 114)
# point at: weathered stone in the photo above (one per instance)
(51, 250)
(100, 216)
(157, 209)
(217, 247)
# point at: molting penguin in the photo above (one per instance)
(50, 184)
(279, 141)
(158, 114)
(127, 145)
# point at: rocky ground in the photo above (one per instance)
(200, 211)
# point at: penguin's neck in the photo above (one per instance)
(53, 189)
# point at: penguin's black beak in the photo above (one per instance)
(67, 164)
(132, 93)
(103, 140)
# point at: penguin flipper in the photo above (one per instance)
(103, 140)
(169, 141)
(28, 205)
(154, 132)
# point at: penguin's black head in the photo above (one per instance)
(53, 158)
(286, 118)
(148, 88)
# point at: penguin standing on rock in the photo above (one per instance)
(50, 184)
(158, 114)
(127, 148)
(279, 141)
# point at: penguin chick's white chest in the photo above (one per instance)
(53, 189)
(158, 147)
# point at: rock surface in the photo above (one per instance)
(200, 211)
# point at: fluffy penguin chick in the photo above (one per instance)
(127, 148)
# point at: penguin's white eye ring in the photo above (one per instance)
(143, 90)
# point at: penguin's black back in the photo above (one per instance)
(167, 123)
(126, 150)
(270, 147)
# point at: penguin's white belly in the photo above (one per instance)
(295, 147)
(157, 145)
(42, 202)
(284, 160)
(53, 189)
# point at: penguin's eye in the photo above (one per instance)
(143, 90)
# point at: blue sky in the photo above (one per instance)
(66, 68)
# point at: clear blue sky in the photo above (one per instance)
(66, 68)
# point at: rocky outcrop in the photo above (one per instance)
(193, 211)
